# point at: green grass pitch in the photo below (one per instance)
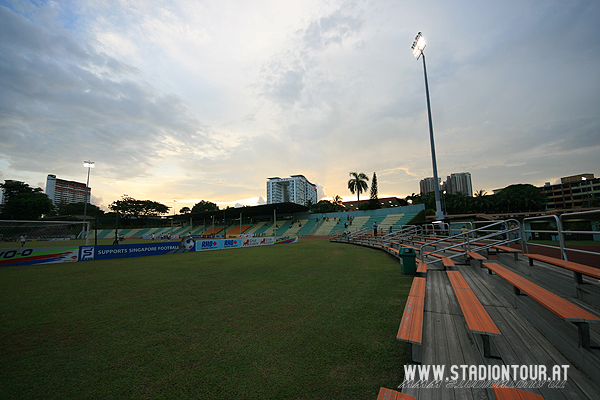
(312, 320)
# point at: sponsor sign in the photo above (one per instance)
(258, 241)
(211, 244)
(286, 239)
(87, 253)
(42, 255)
(218, 244)
(25, 256)
(232, 244)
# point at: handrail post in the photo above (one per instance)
(561, 237)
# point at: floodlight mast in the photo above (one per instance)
(89, 165)
(418, 46)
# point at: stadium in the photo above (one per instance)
(308, 310)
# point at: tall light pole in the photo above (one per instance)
(89, 165)
(418, 46)
(174, 205)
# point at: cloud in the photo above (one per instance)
(193, 100)
(62, 99)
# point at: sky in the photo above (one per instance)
(179, 101)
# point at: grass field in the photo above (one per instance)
(312, 320)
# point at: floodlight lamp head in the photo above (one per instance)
(418, 45)
(88, 164)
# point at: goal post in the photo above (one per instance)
(16, 231)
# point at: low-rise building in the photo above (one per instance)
(575, 191)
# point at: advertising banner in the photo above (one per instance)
(286, 239)
(88, 253)
(42, 255)
(218, 244)
(232, 244)
(258, 241)
(208, 244)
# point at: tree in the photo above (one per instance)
(481, 202)
(358, 184)
(337, 200)
(458, 203)
(520, 198)
(205, 206)
(78, 209)
(184, 210)
(324, 206)
(374, 199)
(413, 198)
(24, 202)
(427, 199)
(131, 208)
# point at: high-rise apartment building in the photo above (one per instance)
(296, 189)
(427, 185)
(61, 191)
(460, 182)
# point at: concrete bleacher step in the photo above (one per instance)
(328, 226)
(256, 227)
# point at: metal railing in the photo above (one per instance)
(492, 234)
(558, 229)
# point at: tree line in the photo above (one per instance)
(23, 202)
(512, 199)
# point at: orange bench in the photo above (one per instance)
(478, 320)
(389, 249)
(409, 246)
(446, 261)
(508, 250)
(476, 256)
(578, 269)
(421, 267)
(411, 325)
(508, 393)
(389, 394)
(564, 309)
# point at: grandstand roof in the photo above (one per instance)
(254, 211)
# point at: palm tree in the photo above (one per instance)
(358, 184)
(337, 203)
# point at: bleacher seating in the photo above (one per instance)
(328, 226)
(487, 304)
(237, 230)
(256, 227)
(307, 227)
